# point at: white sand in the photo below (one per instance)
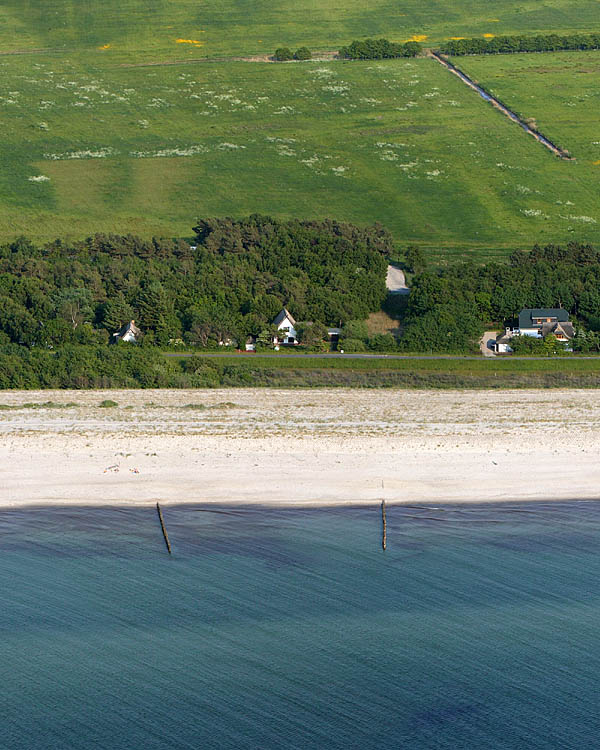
(300, 447)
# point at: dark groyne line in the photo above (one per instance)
(495, 102)
(383, 526)
(163, 527)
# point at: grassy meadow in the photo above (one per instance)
(559, 91)
(305, 372)
(138, 29)
(90, 147)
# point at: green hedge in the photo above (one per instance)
(511, 44)
(377, 49)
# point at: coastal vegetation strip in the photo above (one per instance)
(97, 368)
(234, 289)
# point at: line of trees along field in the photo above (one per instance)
(379, 49)
(519, 43)
(231, 283)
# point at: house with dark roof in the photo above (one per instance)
(539, 323)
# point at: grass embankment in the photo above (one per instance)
(255, 370)
(95, 148)
(136, 29)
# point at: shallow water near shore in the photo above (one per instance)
(476, 628)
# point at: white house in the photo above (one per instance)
(129, 332)
(502, 343)
(287, 325)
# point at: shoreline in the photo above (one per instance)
(234, 507)
(298, 449)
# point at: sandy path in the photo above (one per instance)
(485, 341)
(308, 447)
(395, 281)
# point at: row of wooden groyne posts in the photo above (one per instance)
(165, 533)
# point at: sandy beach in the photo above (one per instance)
(298, 447)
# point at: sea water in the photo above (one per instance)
(478, 627)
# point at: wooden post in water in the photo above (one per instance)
(163, 527)
(384, 526)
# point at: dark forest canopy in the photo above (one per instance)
(449, 308)
(231, 283)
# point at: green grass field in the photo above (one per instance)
(149, 30)
(559, 91)
(148, 149)
(96, 138)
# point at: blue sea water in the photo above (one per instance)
(478, 627)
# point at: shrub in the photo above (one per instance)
(352, 345)
(382, 342)
(107, 404)
(302, 53)
(283, 54)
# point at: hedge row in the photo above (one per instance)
(377, 49)
(509, 44)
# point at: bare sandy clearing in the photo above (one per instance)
(395, 281)
(299, 447)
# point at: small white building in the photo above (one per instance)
(129, 332)
(501, 345)
(287, 325)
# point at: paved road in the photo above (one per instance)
(249, 356)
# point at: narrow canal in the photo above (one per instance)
(557, 150)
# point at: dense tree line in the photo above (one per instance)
(449, 308)
(378, 49)
(230, 283)
(518, 43)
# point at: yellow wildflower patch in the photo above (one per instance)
(596, 163)
(105, 46)
(489, 36)
(417, 38)
(456, 38)
(195, 42)
(493, 20)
